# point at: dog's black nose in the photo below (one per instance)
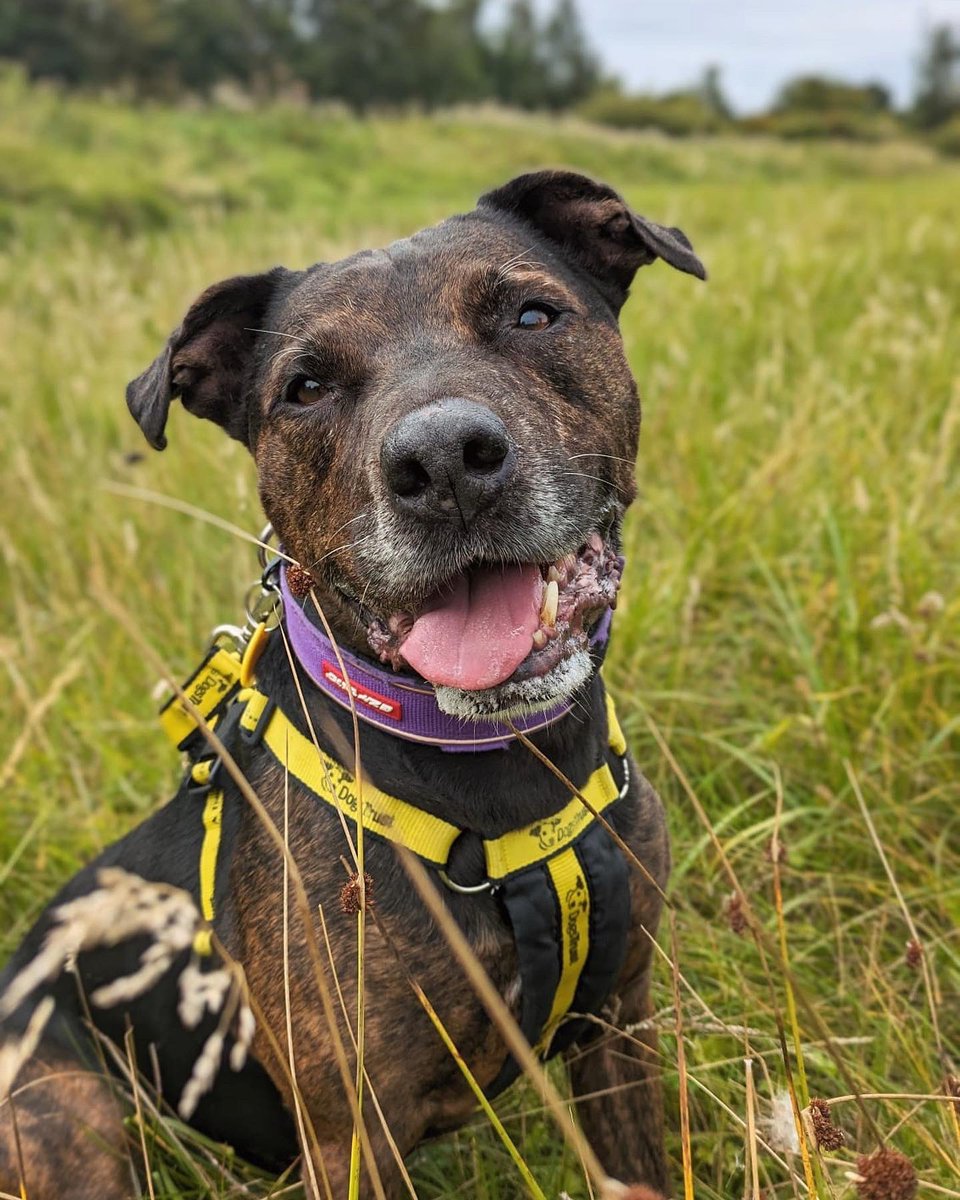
(447, 461)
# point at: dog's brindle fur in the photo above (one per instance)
(386, 332)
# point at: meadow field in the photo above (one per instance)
(786, 653)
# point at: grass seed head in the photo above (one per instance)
(245, 1026)
(913, 956)
(299, 581)
(736, 917)
(776, 850)
(827, 1135)
(201, 991)
(122, 906)
(886, 1175)
(14, 1051)
(930, 606)
(350, 893)
(204, 1073)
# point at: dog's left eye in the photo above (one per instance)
(306, 391)
(536, 317)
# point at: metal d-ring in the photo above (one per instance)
(266, 533)
(486, 886)
(263, 602)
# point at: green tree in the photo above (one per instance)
(712, 95)
(515, 69)
(821, 94)
(937, 96)
(453, 59)
(571, 67)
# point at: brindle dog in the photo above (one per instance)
(455, 401)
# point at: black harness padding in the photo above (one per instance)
(534, 916)
(533, 910)
(608, 877)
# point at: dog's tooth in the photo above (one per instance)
(539, 639)
(553, 575)
(551, 599)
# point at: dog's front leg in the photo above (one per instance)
(327, 1175)
(618, 1074)
(622, 1112)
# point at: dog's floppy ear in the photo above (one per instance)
(206, 359)
(593, 227)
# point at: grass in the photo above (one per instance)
(790, 632)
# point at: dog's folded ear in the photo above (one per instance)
(207, 359)
(593, 227)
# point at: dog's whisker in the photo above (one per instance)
(342, 527)
(339, 549)
(285, 352)
(512, 262)
(277, 333)
(596, 478)
(596, 454)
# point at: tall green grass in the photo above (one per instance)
(790, 617)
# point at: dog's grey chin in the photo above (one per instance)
(519, 699)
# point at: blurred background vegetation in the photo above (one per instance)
(385, 53)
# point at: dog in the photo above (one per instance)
(445, 433)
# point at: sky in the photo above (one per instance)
(656, 45)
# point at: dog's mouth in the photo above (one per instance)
(500, 624)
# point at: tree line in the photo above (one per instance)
(382, 53)
(366, 54)
(807, 106)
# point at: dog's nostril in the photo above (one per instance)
(484, 453)
(409, 478)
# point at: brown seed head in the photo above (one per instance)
(736, 917)
(299, 580)
(350, 893)
(886, 1175)
(913, 956)
(776, 850)
(828, 1135)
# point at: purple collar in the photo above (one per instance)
(401, 704)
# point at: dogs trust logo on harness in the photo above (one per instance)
(365, 696)
(555, 832)
(577, 902)
(212, 678)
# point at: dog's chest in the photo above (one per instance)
(406, 961)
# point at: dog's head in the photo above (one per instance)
(444, 430)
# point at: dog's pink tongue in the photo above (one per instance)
(478, 630)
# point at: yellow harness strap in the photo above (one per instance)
(429, 837)
(206, 692)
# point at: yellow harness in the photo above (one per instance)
(561, 878)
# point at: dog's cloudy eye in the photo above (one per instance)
(306, 391)
(536, 316)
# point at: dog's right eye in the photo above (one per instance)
(305, 391)
(536, 317)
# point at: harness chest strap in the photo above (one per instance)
(562, 881)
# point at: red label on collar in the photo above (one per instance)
(370, 699)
